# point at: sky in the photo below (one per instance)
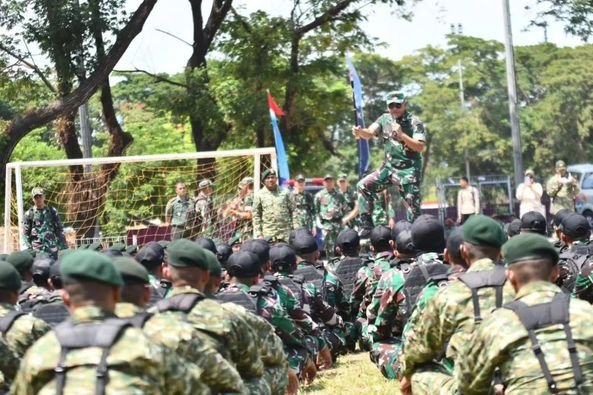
(157, 52)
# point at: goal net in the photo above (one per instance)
(123, 199)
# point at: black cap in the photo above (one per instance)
(259, 247)
(40, 270)
(295, 232)
(404, 243)
(54, 270)
(206, 244)
(380, 236)
(400, 226)
(428, 234)
(560, 215)
(533, 222)
(454, 242)
(304, 243)
(514, 228)
(283, 257)
(151, 255)
(348, 239)
(223, 252)
(244, 264)
(575, 226)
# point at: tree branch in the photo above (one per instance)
(157, 77)
(327, 16)
(220, 9)
(32, 66)
(174, 36)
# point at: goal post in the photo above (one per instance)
(115, 194)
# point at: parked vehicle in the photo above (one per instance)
(584, 200)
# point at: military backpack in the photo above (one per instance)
(494, 278)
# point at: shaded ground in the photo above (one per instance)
(354, 374)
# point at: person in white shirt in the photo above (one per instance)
(468, 201)
(529, 193)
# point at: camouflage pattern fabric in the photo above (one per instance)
(350, 198)
(32, 296)
(190, 345)
(24, 331)
(562, 193)
(274, 215)
(504, 343)
(245, 226)
(9, 364)
(205, 215)
(305, 209)
(229, 334)
(382, 209)
(43, 230)
(447, 322)
(330, 207)
(182, 214)
(142, 367)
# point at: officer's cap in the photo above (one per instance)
(481, 230)
(259, 247)
(282, 255)
(89, 265)
(528, 246)
(9, 277)
(348, 239)
(21, 260)
(575, 226)
(131, 271)
(37, 192)
(186, 253)
(534, 222)
(151, 255)
(304, 243)
(267, 173)
(205, 184)
(428, 234)
(244, 264)
(397, 97)
(206, 244)
(560, 164)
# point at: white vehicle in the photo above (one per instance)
(584, 200)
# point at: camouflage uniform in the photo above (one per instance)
(305, 209)
(181, 211)
(504, 343)
(140, 366)
(9, 364)
(24, 331)
(382, 210)
(444, 327)
(349, 198)
(273, 214)
(43, 230)
(205, 215)
(330, 207)
(562, 195)
(245, 227)
(229, 334)
(402, 167)
(190, 345)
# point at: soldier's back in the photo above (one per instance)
(20, 330)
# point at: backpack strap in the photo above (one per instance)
(494, 278)
(540, 316)
(96, 334)
(8, 320)
(182, 302)
(140, 319)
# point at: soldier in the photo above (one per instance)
(180, 337)
(304, 206)
(40, 290)
(179, 213)
(243, 210)
(540, 343)
(456, 310)
(121, 352)
(204, 208)
(52, 309)
(404, 139)
(151, 256)
(227, 331)
(330, 207)
(42, 228)
(562, 188)
(347, 191)
(8, 366)
(274, 214)
(23, 262)
(575, 232)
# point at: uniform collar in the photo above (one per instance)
(186, 289)
(90, 313)
(538, 287)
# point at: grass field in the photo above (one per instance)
(353, 374)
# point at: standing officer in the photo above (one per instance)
(562, 189)
(304, 205)
(404, 140)
(346, 190)
(205, 208)
(179, 213)
(43, 230)
(330, 207)
(274, 214)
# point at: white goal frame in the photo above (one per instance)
(16, 168)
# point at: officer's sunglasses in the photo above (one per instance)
(395, 105)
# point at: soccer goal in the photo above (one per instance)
(123, 199)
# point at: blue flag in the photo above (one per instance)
(283, 172)
(363, 145)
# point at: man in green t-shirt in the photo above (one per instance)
(403, 139)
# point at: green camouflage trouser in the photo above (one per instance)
(385, 355)
(407, 180)
(258, 386)
(277, 378)
(330, 233)
(431, 381)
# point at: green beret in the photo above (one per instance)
(96, 246)
(9, 277)
(528, 246)
(213, 264)
(119, 247)
(89, 265)
(132, 249)
(130, 270)
(21, 260)
(3, 257)
(268, 172)
(481, 230)
(186, 253)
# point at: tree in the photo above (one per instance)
(577, 16)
